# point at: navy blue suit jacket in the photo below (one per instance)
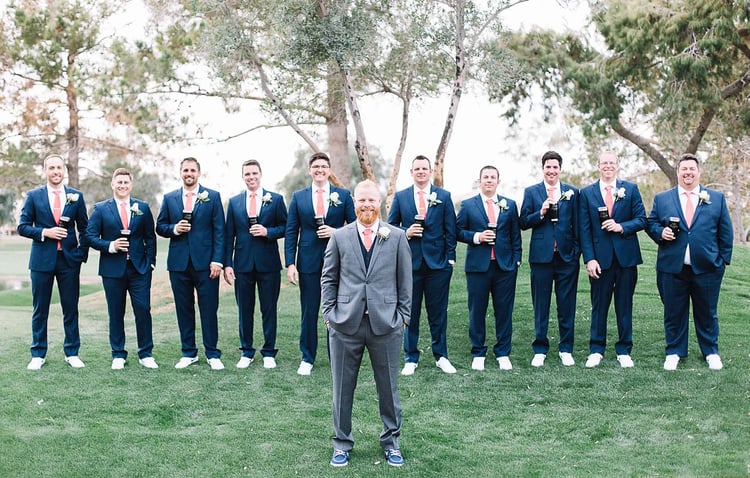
(204, 243)
(543, 232)
(300, 235)
(472, 218)
(710, 236)
(104, 227)
(627, 211)
(245, 252)
(437, 245)
(36, 215)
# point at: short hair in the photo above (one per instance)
(317, 156)
(551, 155)
(252, 162)
(608, 153)
(366, 183)
(50, 156)
(421, 157)
(191, 160)
(688, 157)
(122, 172)
(489, 166)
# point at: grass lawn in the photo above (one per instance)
(553, 421)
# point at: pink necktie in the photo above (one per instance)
(551, 196)
(57, 213)
(252, 209)
(422, 206)
(189, 201)
(608, 200)
(689, 209)
(493, 218)
(123, 215)
(319, 207)
(367, 238)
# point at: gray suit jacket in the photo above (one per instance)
(384, 289)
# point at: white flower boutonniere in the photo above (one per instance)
(202, 196)
(704, 198)
(383, 233)
(502, 205)
(432, 200)
(266, 199)
(619, 194)
(70, 198)
(334, 200)
(567, 195)
(135, 210)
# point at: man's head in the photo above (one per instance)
(54, 170)
(421, 170)
(608, 166)
(367, 202)
(190, 172)
(551, 165)
(688, 171)
(488, 180)
(122, 183)
(319, 167)
(251, 174)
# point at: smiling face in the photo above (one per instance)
(488, 181)
(421, 172)
(608, 167)
(121, 186)
(367, 202)
(688, 174)
(251, 175)
(319, 170)
(190, 172)
(551, 171)
(54, 170)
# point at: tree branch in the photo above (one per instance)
(644, 144)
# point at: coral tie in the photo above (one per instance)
(493, 219)
(252, 209)
(189, 201)
(367, 238)
(57, 213)
(608, 200)
(689, 209)
(319, 207)
(124, 215)
(422, 206)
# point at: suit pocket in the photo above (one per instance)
(343, 299)
(390, 299)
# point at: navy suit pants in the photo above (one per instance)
(434, 285)
(184, 285)
(564, 275)
(621, 282)
(309, 290)
(269, 285)
(138, 286)
(502, 286)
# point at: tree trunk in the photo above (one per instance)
(458, 86)
(73, 134)
(360, 143)
(391, 191)
(645, 145)
(336, 125)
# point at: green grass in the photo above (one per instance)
(553, 421)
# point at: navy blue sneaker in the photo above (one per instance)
(394, 458)
(340, 458)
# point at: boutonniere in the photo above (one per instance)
(432, 199)
(202, 196)
(383, 233)
(704, 198)
(567, 195)
(333, 199)
(70, 198)
(135, 210)
(266, 199)
(619, 194)
(502, 205)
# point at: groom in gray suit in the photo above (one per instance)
(366, 296)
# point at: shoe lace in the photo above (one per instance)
(338, 453)
(394, 452)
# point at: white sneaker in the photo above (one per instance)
(148, 362)
(625, 361)
(714, 362)
(504, 363)
(477, 363)
(670, 363)
(74, 361)
(445, 365)
(215, 364)
(269, 362)
(36, 363)
(595, 359)
(185, 362)
(567, 359)
(538, 360)
(118, 363)
(305, 368)
(244, 362)
(409, 368)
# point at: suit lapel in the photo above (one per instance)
(480, 206)
(698, 207)
(353, 240)
(675, 195)
(113, 208)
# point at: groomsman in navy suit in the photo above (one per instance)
(433, 252)
(692, 227)
(57, 251)
(192, 217)
(550, 210)
(488, 223)
(122, 230)
(314, 213)
(611, 215)
(256, 220)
